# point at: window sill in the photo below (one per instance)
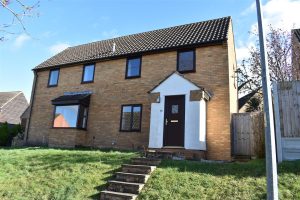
(188, 71)
(51, 86)
(132, 77)
(86, 82)
(80, 129)
(132, 131)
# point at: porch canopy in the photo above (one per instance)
(82, 99)
(178, 114)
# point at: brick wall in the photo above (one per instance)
(111, 90)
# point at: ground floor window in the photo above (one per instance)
(131, 116)
(70, 116)
(71, 111)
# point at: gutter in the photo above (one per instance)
(30, 106)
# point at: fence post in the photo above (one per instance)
(277, 123)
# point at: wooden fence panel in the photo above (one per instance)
(289, 108)
(248, 134)
(287, 119)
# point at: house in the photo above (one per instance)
(296, 53)
(171, 88)
(251, 102)
(12, 105)
(24, 118)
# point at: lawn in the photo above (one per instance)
(37, 173)
(194, 180)
(44, 174)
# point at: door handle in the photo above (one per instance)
(166, 122)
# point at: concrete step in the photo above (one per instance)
(126, 187)
(131, 177)
(146, 161)
(138, 169)
(110, 195)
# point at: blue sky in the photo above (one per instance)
(63, 23)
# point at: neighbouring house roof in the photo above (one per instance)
(12, 105)
(200, 33)
(5, 97)
(297, 33)
(243, 100)
(26, 113)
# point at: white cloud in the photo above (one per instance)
(20, 40)
(110, 34)
(282, 14)
(242, 50)
(54, 49)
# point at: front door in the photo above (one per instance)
(174, 120)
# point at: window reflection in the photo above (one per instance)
(131, 118)
(186, 61)
(88, 74)
(66, 116)
(53, 79)
(133, 67)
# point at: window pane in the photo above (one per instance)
(186, 61)
(88, 74)
(136, 118)
(174, 109)
(133, 67)
(53, 80)
(66, 116)
(126, 118)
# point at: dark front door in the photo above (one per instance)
(174, 120)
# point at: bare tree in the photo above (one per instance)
(296, 53)
(17, 10)
(254, 104)
(279, 50)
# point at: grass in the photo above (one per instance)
(35, 173)
(53, 174)
(194, 180)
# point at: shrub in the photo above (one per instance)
(4, 134)
(7, 132)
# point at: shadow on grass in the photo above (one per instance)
(55, 161)
(99, 188)
(69, 149)
(255, 168)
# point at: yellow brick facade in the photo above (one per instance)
(214, 71)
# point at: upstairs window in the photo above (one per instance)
(133, 67)
(186, 61)
(88, 73)
(131, 118)
(53, 78)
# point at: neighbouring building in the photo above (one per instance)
(12, 106)
(296, 53)
(167, 88)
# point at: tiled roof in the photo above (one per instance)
(6, 96)
(12, 105)
(297, 33)
(200, 33)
